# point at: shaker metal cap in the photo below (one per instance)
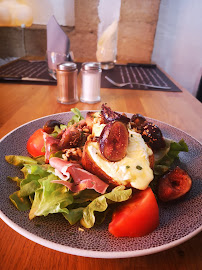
(67, 66)
(91, 66)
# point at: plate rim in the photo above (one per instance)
(91, 253)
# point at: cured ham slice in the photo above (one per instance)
(62, 165)
(51, 145)
(82, 179)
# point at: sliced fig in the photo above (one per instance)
(110, 115)
(113, 141)
(174, 185)
(49, 126)
(152, 135)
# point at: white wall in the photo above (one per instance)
(178, 41)
(63, 10)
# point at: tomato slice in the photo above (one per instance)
(137, 217)
(36, 143)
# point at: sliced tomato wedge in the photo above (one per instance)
(137, 217)
(36, 143)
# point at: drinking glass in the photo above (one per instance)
(54, 59)
(107, 46)
(107, 56)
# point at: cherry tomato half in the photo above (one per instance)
(137, 217)
(36, 143)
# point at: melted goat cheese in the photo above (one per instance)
(97, 129)
(134, 168)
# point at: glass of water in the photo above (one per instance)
(54, 59)
(107, 56)
(107, 46)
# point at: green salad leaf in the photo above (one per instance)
(15, 179)
(163, 164)
(40, 159)
(76, 117)
(58, 129)
(20, 160)
(81, 200)
(100, 204)
(21, 203)
(29, 185)
(35, 169)
(50, 198)
(38, 192)
(85, 196)
(74, 215)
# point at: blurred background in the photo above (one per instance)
(165, 32)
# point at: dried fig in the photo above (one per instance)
(152, 135)
(113, 141)
(110, 115)
(70, 138)
(137, 121)
(49, 126)
(174, 185)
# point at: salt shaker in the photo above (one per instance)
(91, 80)
(67, 83)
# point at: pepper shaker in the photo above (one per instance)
(91, 80)
(67, 83)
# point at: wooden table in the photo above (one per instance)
(23, 103)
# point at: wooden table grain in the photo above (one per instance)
(21, 103)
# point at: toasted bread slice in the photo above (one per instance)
(88, 162)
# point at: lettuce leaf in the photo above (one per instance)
(74, 215)
(163, 164)
(50, 198)
(100, 204)
(40, 159)
(35, 169)
(81, 200)
(21, 203)
(58, 129)
(19, 160)
(85, 196)
(32, 173)
(76, 117)
(30, 184)
(36, 189)
(15, 179)
(38, 192)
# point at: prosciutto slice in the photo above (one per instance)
(82, 178)
(51, 145)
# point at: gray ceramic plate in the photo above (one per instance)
(178, 221)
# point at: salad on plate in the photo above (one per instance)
(105, 164)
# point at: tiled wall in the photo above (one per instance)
(136, 32)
